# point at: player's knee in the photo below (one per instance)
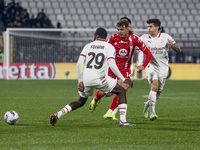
(154, 88)
(108, 94)
(125, 86)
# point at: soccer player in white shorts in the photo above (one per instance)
(157, 69)
(97, 56)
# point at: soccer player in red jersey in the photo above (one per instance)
(124, 44)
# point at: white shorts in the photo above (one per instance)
(153, 74)
(106, 85)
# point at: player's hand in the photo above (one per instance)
(80, 86)
(170, 42)
(128, 81)
(140, 68)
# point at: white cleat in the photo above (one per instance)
(126, 124)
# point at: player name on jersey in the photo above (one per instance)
(97, 47)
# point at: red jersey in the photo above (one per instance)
(125, 49)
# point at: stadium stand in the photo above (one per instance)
(180, 18)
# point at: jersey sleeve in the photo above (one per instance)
(80, 62)
(84, 51)
(111, 52)
(115, 69)
(139, 43)
(140, 57)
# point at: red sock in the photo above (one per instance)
(114, 103)
(98, 95)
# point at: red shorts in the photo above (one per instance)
(125, 72)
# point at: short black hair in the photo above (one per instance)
(155, 21)
(122, 23)
(129, 20)
(101, 32)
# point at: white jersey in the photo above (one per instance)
(159, 48)
(140, 57)
(96, 55)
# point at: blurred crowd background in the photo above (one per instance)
(179, 18)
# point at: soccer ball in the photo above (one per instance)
(11, 117)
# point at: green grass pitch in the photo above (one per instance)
(177, 128)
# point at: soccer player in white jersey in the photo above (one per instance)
(98, 56)
(157, 69)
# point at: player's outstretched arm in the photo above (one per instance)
(148, 54)
(80, 68)
(146, 51)
(80, 62)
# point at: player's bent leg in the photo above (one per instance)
(98, 95)
(76, 104)
(68, 108)
(120, 91)
(152, 98)
(114, 105)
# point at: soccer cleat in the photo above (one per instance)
(126, 124)
(153, 116)
(110, 116)
(53, 119)
(145, 111)
(93, 105)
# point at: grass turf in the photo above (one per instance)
(178, 125)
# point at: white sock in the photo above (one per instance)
(123, 110)
(115, 111)
(110, 110)
(152, 102)
(64, 111)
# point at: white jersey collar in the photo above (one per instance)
(153, 37)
